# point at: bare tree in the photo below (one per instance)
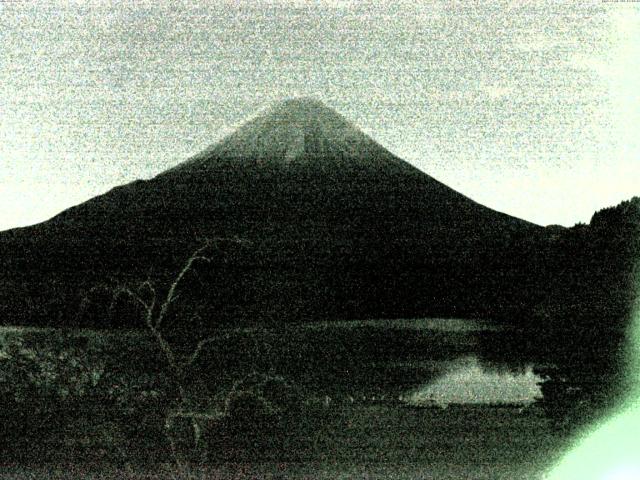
(155, 311)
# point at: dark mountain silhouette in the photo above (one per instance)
(339, 228)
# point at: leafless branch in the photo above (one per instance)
(171, 295)
(154, 318)
(196, 353)
(148, 307)
(148, 284)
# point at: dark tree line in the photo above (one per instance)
(578, 333)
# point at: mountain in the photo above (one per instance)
(336, 227)
(302, 132)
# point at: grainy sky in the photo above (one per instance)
(531, 108)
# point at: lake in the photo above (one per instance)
(460, 376)
(427, 363)
(424, 361)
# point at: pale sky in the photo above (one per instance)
(531, 108)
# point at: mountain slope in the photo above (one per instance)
(301, 131)
(298, 162)
(339, 227)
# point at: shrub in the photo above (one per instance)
(41, 389)
(45, 377)
(56, 390)
(260, 398)
(260, 418)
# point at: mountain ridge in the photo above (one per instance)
(335, 212)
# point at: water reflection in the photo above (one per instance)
(467, 381)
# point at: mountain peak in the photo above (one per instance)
(292, 130)
(303, 110)
(303, 104)
(301, 131)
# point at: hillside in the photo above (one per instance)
(336, 227)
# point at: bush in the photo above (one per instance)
(57, 391)
(44, 376)
(262, 398)
(261, 418)
(41, 390)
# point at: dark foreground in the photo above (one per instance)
(362, 441)
(325, 404)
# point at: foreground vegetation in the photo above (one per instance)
(102, 404)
